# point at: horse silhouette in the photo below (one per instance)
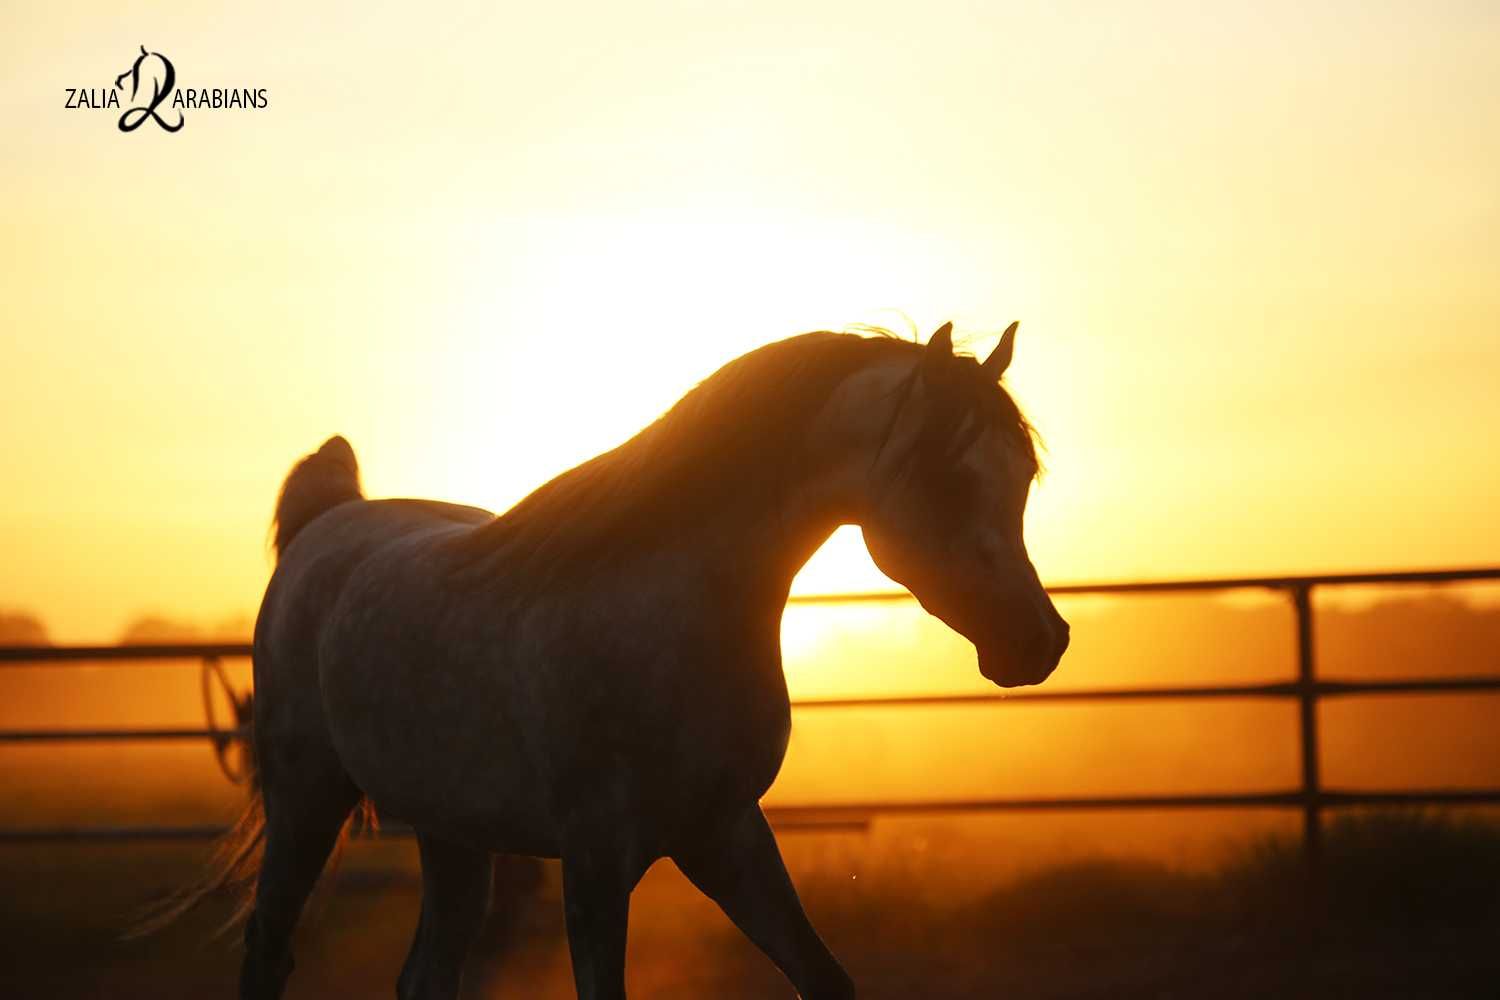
(162, 78)
(596, 675)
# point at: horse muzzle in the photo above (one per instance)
(1025, 660)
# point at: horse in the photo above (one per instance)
(596, 674)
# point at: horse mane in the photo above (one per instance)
(731, 441)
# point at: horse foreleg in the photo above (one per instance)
(597, 881)
(738, 866)
(456, 888)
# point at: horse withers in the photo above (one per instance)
(596, 675)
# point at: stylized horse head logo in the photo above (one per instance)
(162, 77)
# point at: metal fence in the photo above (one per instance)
(1310, 797)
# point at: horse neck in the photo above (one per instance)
(823, 487)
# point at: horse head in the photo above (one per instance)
(948, 491)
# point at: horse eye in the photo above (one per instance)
(964, 492)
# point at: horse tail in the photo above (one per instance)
(322, 480)
(232, 868)
(319, 482)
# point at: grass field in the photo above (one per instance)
(1410, 907)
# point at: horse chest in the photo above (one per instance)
(765, 750)
(735, 743)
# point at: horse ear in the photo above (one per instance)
(994, 366)
(939, 350)
(143, 50)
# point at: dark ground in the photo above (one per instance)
(1410, 908)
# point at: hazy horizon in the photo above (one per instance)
(997, 749)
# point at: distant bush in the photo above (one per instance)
(1393, 869)
(20, 628)
(150, 629)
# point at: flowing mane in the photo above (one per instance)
(734, 438)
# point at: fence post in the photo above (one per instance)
(1307, 700)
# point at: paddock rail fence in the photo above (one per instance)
(1311, 797)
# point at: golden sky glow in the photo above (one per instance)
(1253, 253)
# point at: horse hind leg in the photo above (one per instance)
(456, 889)
(305, 812)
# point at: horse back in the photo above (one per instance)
(303, 591)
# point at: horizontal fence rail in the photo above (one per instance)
(1310, 797)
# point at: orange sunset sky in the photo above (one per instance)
(1253, 251)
